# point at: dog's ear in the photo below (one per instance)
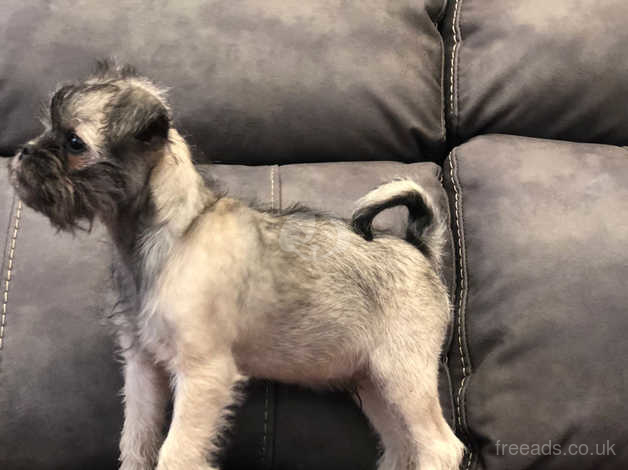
(110, 68)
(139, 114)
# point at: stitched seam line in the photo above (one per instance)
(450, 334)
(272, 188)
(9, 272)
(266, 462)
(443, 98)
(454, 48)
(266, 384)
(265, 439)
(458, 212)
(441, 13)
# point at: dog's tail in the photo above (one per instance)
(426, 228)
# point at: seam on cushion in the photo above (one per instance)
(441, 13)
(267, 456)
(453, 85)
(272, 188)
(443, 99)
(266, 385)
(278, 190)
(465, 361)
(275, 188)
(11, 243)
(443, 66)
(450, 392)
(5, 261)
(451, 292)
(7, 232)
(269, 387)
(265, 433)
(451, 288)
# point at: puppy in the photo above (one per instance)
(224, 291)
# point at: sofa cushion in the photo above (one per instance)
(556, 69)
(542, 231)
(59, 382)
(251, 81)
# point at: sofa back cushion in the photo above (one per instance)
(542, 68)
(251, 81)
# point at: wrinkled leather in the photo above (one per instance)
(544, 231)
(555, 69)
(59, 383)
(251, 81)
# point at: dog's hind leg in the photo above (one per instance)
(389, 425)
(405, 378)
(205, 388)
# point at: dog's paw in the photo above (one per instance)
(446, 455)
(171, 459)
(134, 465)
(134, 456)
(166, 464)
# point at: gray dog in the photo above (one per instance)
(223, 292)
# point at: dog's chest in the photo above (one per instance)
(155, 331)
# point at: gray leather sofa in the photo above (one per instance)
(513, 112)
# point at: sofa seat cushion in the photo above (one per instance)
(252, 82)
(541, 234)
(59, 382)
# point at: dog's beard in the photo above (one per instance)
(69, 200)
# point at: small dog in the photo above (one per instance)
(222, 290)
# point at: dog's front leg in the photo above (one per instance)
(146, 394)
(204, 390)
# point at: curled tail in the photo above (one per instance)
(426, 227)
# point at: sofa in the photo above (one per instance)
(512, 113)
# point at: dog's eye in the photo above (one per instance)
(74, 143)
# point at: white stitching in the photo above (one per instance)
(266, 401)
(457, 206)
(272, 187)
(453, 60)
(9, 275)
(267, 385)
(462, 285)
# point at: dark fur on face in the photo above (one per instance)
(100, 136)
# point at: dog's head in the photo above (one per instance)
(102, 137)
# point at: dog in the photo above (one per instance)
(224, 291)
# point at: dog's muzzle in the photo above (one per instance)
(23, 167)
(16, 162)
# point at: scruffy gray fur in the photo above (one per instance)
(222, 291)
